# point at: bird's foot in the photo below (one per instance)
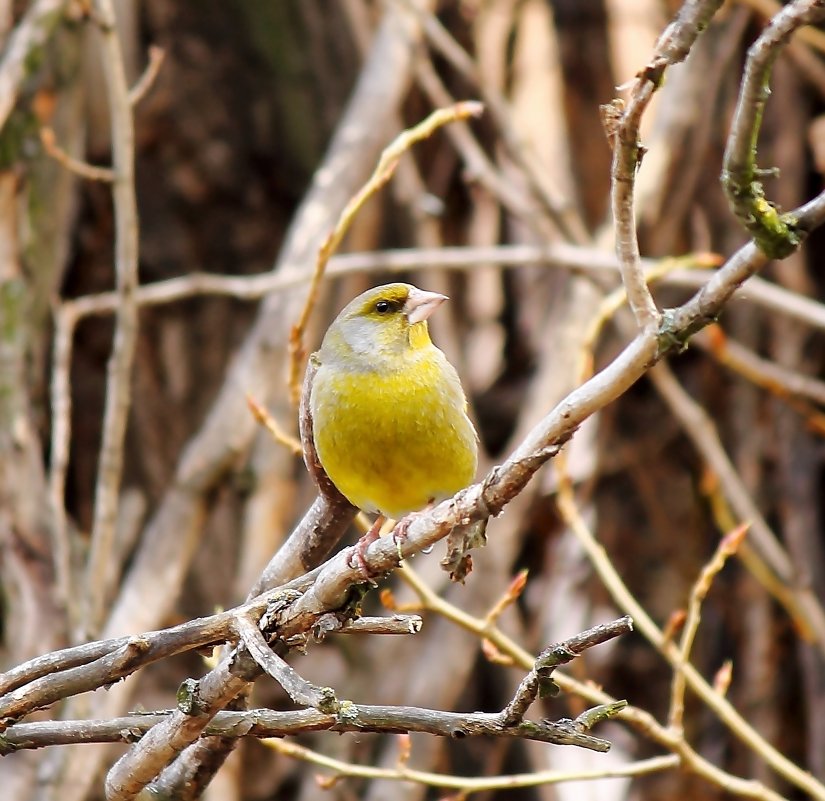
(399, 533)
(359, 553)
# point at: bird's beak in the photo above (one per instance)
(420, 304)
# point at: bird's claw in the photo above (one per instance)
(399, 534)
(358, 558)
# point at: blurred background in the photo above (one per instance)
(228, 140)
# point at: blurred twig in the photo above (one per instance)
(384, 170)
(558, 209)
(60, 392)
(628, 603)
(80, 168)
(638, 718)
(144, 84)
(727, 547)
(796, 389)
(118, 386)
(466, 785)
(29, 35)
(586, 260)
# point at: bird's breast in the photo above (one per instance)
(392, 441)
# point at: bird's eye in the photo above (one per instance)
(382, 307)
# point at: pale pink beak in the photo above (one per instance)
(420, 304)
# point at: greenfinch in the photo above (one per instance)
(390, 421)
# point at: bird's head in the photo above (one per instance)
(384, 322)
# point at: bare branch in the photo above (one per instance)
(775, 234)
(118, 385)
(384, 170)
(144, 84)
(538, 682)
(672, 47)
(721, 706)
(88, 171)
(30, 34)
(587, 260)
(298, 688)
(270, 723)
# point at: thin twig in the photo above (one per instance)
(28, 35)
(559, 654)
(508, 597)
(297, 688)
(586, 260)
(262, 415)
(118, 384)
(85, 170)
(672, 47)
(725, 519)
(776, 234)
(384, 170)
(150, 74)
(465, 784)
(625, 600)
(728, 546)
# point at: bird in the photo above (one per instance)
(389, 415)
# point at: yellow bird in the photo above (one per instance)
(390, 420)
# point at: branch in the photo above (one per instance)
(80, 168)
(671, 652)
(53, 677)
(639, 719)
(775, 234)
(591, 261)
(538, 682)
(297, 688)
(150, 74)
(464, 784)
(29, 35)
(384, 170)
(118, 384)
(352, 717)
